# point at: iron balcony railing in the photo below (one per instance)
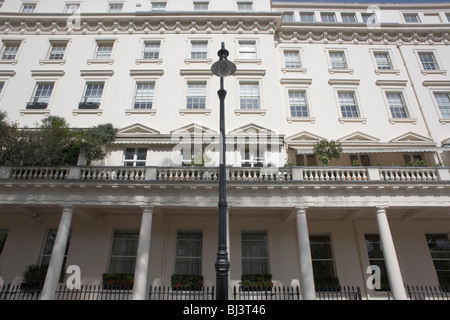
(123, 173)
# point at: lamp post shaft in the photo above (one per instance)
(222, 264)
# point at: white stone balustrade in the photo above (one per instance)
(311, 174)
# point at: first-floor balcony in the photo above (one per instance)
(279, 174)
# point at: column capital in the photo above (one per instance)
(147, 207)
(381, 207)
(300, 209)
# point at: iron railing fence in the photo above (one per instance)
(102, 292)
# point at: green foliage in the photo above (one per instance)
(117, 279)
(51, 143)
(256, 281)
(327, 150)
(34, 274)
(186, 281)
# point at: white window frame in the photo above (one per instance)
(192, 80)
(110, 256)
(247, 80)
(244, 54)
(244, 6)
(331, 259)
(348, 69)
(288, 16)
(250, 96)
(37, 97)
(266, 259)
(145, 41)
(308, 14)
(149, 97)
(197, 258)
(96, 59)
(10, 43)
(135, 161)
(115, 7)
(158, 6)
(27, 6)
(201, 5)
(393, 70)
(437, 61)
(354, 97)
(100, 53)
(433, 92)
(287, 68)
(196, 93)
(406, 103)
(72, 7)
(328, 14)
(408, 15)
(46, 252)
(349, 14)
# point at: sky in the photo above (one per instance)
(372, 1)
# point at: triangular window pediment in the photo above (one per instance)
(411, 137)
(304, 137)
(194, 128)
(358, 137)
(250, 129)
(137, 128)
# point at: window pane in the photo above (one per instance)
(327, 17)
(48, 247)
(428, 61)
(349, 107)
(43, 93)
(151, 50)
(255, 253)
(57, 51)
(144, 96)
(348, 17)
(3, 235)
(307, 17)
(397, 105)
(439, 246)
(292, 59)
(10, 51)
(104, 51)
(247, 49)
(383, 61)
(199, 50)
(188, 254)
(93, 92)
(298, 104)
(123, 251)
(338, 60)
(196, 96)
(443, 101)
(249, 96)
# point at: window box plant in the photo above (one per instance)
(88, 105)
(256, 282)
(34, 277)
(117, 281)
(37, 105)
(186, 282)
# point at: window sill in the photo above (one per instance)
(349, 71)
(207, 61)
(142, 61)
(87, 111)
(301, 119)
(13, 61)
(261, 112)
(344, 120)
(34, 111)
(444, 120)
(298, 70)
(47, 61)
(387, 71)
(256, 61)
(403, 120)
(206, 112)
(140, 111)
(426, 72)
(100, 61)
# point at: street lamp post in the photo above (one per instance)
(222, 68)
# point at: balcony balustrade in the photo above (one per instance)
(307, 174)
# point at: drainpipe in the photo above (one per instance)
(399, 46)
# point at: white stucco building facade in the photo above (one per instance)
(374, 78)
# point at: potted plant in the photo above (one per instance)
(34, 276)
(327, 150)
(117, 280)
(254, 282)
(186, 282)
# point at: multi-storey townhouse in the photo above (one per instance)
(371, 77)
